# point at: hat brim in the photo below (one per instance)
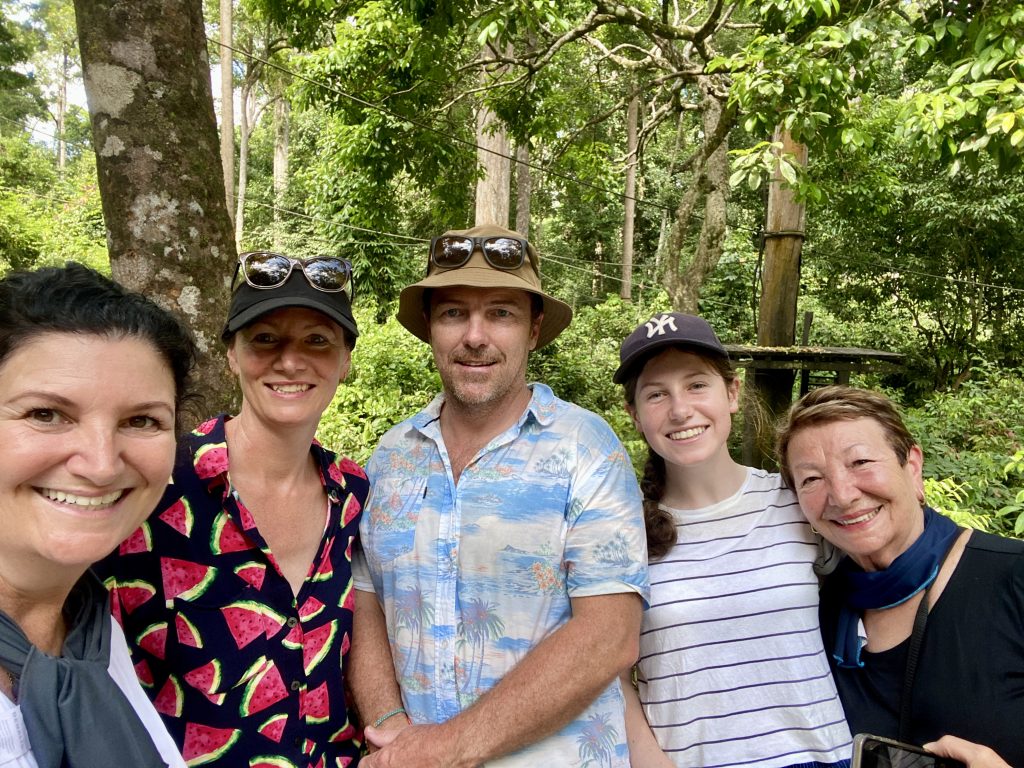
(642, 355)
(557, 314)
(272, 302)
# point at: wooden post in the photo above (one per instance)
(805, 338)
(780, 284)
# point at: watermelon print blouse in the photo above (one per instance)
(244, 673)
(474, 575)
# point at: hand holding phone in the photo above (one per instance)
(878, 752)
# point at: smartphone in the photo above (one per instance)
(877, 752)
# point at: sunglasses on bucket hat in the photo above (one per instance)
(265, 270)
(500, 251)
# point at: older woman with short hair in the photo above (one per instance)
(924, 620)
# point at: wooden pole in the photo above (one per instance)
(780, 284)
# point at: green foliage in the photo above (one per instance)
(973, 101)
(392, 377)
(19, 92)
(972, 441)
(393, 374)
(898, 238)
(44, 219)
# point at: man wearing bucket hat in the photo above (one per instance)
(503, 538)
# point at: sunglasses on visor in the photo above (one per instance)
(452, 251)
(265, 270)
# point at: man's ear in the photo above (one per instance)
(535, 324)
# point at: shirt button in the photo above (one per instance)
(296, 685)
(298, 741)
(292, 621)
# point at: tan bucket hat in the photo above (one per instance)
(478, 273)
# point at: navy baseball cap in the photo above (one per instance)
(248, 303)
(668, 329)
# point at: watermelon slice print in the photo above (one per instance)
(345, 733)
(264, 690)
(141, 540)
(170, 698)
(348, 597)
(184, 579)
(206, 427)
(226, 537)
(211, 460)
(187, 632)
(247, 620)
(274, 727)
(315, 705)
(310, 608)
(179, 516)
(293, 640)
(318, 644)
(252, 573)
(132, 594)
(144, 674)
(270, 761)
(205, 678)
(349, 466)
(351, 510)
(154, 639)
(204, 744)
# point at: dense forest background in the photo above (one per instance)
(639, 142)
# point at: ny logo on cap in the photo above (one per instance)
(656, 325)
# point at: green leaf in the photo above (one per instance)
(787, 172)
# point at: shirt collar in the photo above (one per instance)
(541, 408)
(209, 450)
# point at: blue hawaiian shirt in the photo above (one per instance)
(473, 576)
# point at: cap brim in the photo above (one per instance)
(625, 369)
(557, 314)
(272, 302)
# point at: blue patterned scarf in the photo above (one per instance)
(907, 575)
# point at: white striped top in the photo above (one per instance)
(732, 670)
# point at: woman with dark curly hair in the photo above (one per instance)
(92, 377)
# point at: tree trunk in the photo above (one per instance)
(626, 291)
(715, 186)
(227, 101)
(244, 108)
(62, 110)
(147, 81)
(524, 189)
(282, 110)
(663, 230)
(711, 181)
(492, 189)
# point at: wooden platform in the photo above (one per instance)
(773, 377)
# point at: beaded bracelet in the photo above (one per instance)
(387, 716)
